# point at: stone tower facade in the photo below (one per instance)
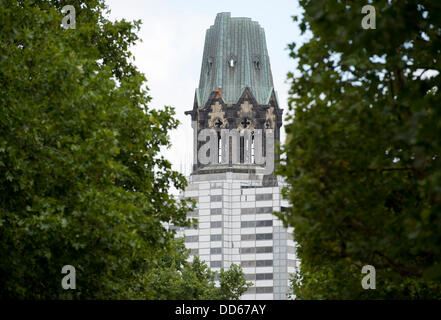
(236, 122)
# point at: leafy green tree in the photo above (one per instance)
(232, 283)
(82, 181)
(362, 155)
(174, 277)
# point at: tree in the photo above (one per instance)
(82, 181)
(174, 277)
(362, 154)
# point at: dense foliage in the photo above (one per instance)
(175, 278)
(81, 179)
(363, 150)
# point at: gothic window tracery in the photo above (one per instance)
(245, 123)
(217, 117)
(270, 118)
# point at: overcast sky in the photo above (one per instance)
(170, 54)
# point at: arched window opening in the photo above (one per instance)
(219, 146)
(252, 147)
(232, 61)
(210, 62)
(256, 62)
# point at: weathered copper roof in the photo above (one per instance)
(235, 56)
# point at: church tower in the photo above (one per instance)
(236, 92)
(236, 122)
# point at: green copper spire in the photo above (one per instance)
(235, 57)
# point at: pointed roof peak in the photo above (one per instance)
(235, 56)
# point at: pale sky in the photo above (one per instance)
(170, 54)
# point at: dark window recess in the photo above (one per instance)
(191, 239)
(248, 237)
(210, 62)
(216, 224)
(248, 224)
(264, 196)
(247, 210)
(264, 276)
(248, 264)
(264, 223)
(264, 263)
(246, 250)
(264, 210)
(264, 236)
(216, 251)
(264, 289)
(252, 224)
(216, 198)
(256, 250)
(216, 264)
(256, 62)
(216, 211)
(264, 249)
(216, 237)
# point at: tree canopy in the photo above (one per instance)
(82, 179)
(177, 279)
(363, 147)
